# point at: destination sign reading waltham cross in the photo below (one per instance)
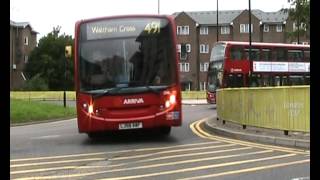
(123, 28)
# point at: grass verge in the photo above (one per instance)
(22, 111)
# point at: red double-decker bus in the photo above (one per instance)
(126, 74)
(270, 64)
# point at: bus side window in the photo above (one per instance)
(277, 81)
(236, 53)
(307, 56)
(254, 81)
(255, 54)
(284, 81)
(295, 55)
(279, 54)
(307, 80)
(265, 55)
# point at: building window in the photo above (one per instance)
(302, 26)
(204, 67)
(188, 47)
(225, 30)
(26, 40)
(265, 28)
(204, 48)
(184, 67)
(204, 30)
(26, 59)
(203, 86)
(244, 28)
(182, 30)
(279, 28)
(183, 49)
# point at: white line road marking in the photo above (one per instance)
(301, 178)
(47, 137)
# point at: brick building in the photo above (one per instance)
(197, 33)
(23, 39)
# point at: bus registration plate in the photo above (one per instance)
(134, 125)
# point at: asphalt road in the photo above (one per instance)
(57, 151)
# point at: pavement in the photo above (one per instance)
(217, 126)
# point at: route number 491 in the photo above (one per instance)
(153, 27)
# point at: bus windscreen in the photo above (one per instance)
(127, 53)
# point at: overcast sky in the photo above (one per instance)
(43, 15)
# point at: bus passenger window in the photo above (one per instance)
(277, 81)
(296, 80)
(307, 56)
(295, 55)
(265, 55)
(236, 53)
(279, 54)
(284, 81)
(253, 81)
(255, 54)
(307, 80)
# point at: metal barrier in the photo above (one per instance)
(283, 108)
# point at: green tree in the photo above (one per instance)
(299, 13)
(47, 61)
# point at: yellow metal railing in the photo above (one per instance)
(283, 108)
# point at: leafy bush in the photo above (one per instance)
(36, 83)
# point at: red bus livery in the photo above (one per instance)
(270, 64)
(126, 74)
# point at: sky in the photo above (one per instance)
(43, 15)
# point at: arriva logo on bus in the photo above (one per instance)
(133, 101)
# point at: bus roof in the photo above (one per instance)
(263, 44)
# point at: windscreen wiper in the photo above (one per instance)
(107, 92)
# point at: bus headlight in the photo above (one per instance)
(171, 101)
(88, 108)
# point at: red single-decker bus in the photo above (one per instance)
(126, 74)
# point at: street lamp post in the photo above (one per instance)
(158, 6)
(250, 30)
(65, 83)
(217, 21)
